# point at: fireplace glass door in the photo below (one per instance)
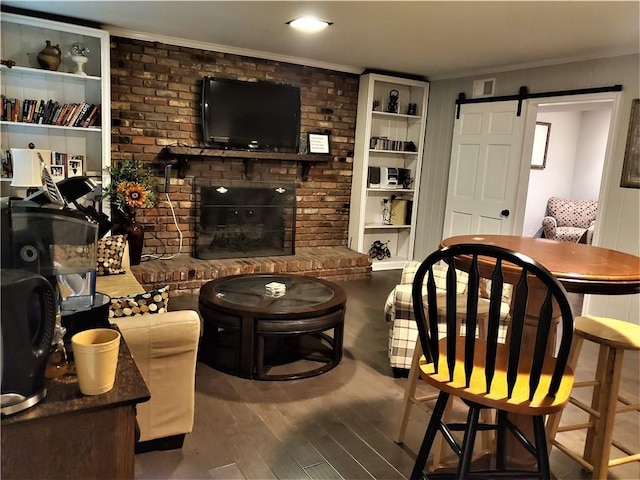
(251, 220)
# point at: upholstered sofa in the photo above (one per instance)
(164, 346)
(570, 220)
(398, 311)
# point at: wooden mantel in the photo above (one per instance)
(183, 154)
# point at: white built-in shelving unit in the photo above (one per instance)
(22, 38)
(391, 140)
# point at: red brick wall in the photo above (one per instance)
(155, 102)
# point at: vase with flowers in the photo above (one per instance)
(132, 187)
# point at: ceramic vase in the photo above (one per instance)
(50, 57)
(79, 60)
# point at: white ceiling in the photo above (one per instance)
(428, 38)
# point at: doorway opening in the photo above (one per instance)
(575, 163)
(575, 158)
(490, 189)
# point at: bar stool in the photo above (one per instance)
(410, 398)
(613, 337)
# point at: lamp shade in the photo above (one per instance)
(26, 167)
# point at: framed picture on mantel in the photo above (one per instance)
(318, 142)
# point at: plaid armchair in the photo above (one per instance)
(398, 311)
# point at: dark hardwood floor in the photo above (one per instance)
(339, 425)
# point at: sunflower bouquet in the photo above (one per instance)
(131, 187)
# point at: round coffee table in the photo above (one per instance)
(248, 329)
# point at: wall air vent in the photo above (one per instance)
(484, 88)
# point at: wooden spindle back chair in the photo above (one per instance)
(485, 373)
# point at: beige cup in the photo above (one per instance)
(95, 353)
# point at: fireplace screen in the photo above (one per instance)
(245, 221)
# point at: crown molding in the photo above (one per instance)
(181, 42)
(525, 66)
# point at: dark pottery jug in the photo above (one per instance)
(49, 58)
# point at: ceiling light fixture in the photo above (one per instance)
(309, 24)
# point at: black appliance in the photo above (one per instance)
(59, 244)
(28, 320)
(404, 177)
(250, 115)
(72, 189)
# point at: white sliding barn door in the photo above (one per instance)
(485, 170)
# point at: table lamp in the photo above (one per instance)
(26, 168)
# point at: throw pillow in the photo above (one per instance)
(155, 301)
(109, 255)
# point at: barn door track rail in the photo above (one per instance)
(523, 94)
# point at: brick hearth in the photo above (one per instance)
(186, 274)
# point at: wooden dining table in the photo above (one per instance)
(580, 268)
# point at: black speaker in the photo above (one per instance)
(407, 219)
(374, 177)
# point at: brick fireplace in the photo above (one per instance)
(155, 106)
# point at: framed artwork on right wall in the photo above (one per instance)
(631, 166)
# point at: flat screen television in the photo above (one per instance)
(250, 115)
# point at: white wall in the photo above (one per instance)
(592, 145)
(619, 218)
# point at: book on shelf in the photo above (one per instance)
(64, 112)
(32, 110)
(15, 104)
(39, 112)
(49, 112)
(82, 111)
(24, 114)
(88, 115)
(93, 117)
(73, 111)
(73, 114)
(55, 114)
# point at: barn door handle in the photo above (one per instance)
(505, 213)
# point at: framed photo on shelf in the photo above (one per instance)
(631, 166)
(75, 165)
(318, 142)
(57, 172)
